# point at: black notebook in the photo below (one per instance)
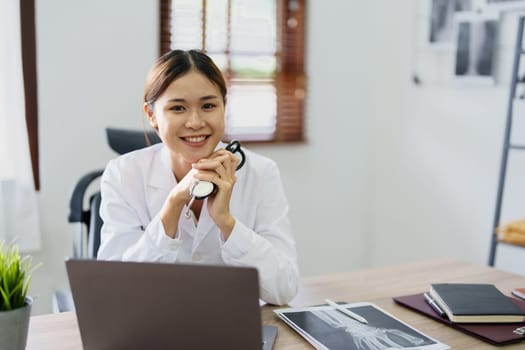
(494, 333)
(475, 303)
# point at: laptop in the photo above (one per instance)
(140, 305)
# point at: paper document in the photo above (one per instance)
(329, 329)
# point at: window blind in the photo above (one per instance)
(259, 46)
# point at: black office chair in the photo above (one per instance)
(84, 205)
(121, 141)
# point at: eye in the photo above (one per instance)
(208, 106)
(177, 108)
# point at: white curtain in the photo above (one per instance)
(19, 221)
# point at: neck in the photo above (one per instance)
(180, 168)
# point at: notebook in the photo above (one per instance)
(494, 333)
(137, 305)
(475, 302)
(519, 293)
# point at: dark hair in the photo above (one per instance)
(173, 65)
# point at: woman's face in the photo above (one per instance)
(189, 117)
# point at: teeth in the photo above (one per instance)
(195, 138)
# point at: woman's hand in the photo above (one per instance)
(172, 208)
(219, 169)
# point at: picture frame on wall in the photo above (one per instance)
(442, 13)
(476, 44)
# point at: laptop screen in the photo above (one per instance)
(137, 305)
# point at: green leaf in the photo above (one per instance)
(5, 298)
(15, 277)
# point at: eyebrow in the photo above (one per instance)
(204, 98)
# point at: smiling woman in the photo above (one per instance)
(189, 113)
(146, 194)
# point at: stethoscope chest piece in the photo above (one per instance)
(202, 189)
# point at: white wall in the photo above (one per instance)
(439, 147)
(92, 60)
(388, 170)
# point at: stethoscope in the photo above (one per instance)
(202, 189)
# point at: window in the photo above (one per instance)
(259, 46)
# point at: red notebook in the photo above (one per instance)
(494, 333)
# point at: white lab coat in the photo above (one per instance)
(134, 187)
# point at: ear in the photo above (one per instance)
(151, 117)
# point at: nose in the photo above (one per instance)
(194, 120)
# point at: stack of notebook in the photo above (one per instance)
(480, 310)
(475, 303)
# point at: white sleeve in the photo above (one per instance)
(270, 246)
(124, 236)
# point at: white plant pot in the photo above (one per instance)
(14, 325)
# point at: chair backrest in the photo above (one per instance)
(125, 140)
(85, 218)
(121, 141)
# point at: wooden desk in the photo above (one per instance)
(377, 285)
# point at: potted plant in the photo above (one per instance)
(15, 304)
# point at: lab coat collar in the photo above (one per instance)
(205, 226)
(161, 181)
(161, 173)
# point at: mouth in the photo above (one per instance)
(195, 139)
